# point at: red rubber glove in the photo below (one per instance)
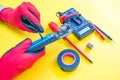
(25, 17)
(17, 60)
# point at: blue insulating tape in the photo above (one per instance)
(68, 67)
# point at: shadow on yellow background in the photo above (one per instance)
(105, 54)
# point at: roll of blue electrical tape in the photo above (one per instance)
(71, 53)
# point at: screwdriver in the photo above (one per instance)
(54, 27)
(104, 33)
(97, 30)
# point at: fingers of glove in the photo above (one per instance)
(33, 10)
(17, 50)
(29, 16)
(39, 55)
(31, 58)
(22, 46)
(29, 25)
(24, 11)
(27, 11)
(26, 60)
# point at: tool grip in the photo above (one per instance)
(53, 26)
(97, 30)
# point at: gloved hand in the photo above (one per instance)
(17, 60)
(25, 17)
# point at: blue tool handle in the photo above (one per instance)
(40, 43)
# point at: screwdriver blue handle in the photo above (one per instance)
(40, 43)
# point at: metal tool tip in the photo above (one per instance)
(90, 61)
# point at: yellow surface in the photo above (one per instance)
(105, 55)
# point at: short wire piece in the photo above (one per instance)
(90, 46)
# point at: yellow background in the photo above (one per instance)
(105, 54)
